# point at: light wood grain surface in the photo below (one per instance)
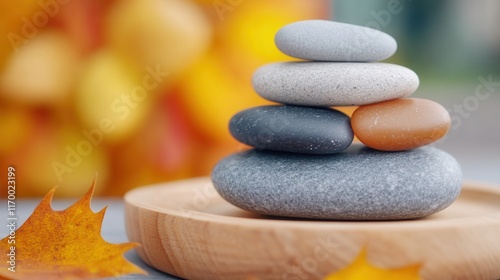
(188, 230)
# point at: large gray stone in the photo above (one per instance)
(296, 129)
(333, 84)
(357, 184)
(325, 40)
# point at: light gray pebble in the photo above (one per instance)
(333, 84)
(325, 40)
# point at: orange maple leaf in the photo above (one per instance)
(65, 245)
(360, 269)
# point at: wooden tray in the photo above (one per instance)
(187, 229)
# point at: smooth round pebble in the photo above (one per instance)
(333, 84)
(400, 124)
(294, 129)
(357, 184)
(325, 40)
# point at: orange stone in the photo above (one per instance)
(400, 124)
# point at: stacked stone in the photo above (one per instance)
(304, 165)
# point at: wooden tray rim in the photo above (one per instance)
(182, 186)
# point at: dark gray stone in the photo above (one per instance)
(325, 40)
(293, 129)
(357, 184)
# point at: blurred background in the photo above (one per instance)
(141, 91)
